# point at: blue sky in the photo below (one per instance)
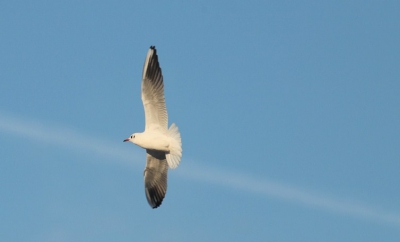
(288, 110)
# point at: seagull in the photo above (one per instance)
(163, 146)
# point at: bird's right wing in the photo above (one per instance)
(155, 177)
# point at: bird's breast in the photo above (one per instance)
(154, 141)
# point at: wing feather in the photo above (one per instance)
(153, 93)
(155, 177)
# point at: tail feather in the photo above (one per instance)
(175, 149)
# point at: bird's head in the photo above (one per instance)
(131, 138)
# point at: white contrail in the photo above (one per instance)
(246, 183)
(67, 138)
(288, 193)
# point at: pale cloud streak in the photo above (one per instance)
(269, 189)
(67, 138)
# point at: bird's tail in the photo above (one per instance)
(175, 148)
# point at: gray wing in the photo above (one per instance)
(155, 177)
(153, 93)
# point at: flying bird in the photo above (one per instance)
(163, 146)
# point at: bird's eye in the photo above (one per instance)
(131, 136)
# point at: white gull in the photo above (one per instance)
(163, 145)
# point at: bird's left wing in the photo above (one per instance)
(153, 93)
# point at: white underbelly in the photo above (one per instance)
(156, 141)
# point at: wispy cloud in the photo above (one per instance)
(74, 140)
(290, 193)
(67, 138)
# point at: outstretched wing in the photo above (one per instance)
(155, 177)
(153, 93)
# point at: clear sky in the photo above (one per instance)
(289, 113)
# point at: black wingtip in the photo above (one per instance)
(156, 206)
(152, 47)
